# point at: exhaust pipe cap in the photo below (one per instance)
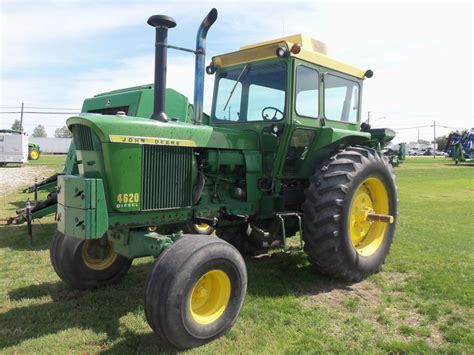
(161, 21)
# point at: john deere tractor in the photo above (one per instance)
(283, 153)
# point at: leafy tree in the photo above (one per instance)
(441, 142)
(39, 131)
(423, 141)
(62, 132)
(16, 126)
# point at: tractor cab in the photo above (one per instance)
(292, 95)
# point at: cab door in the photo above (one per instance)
(305, 113)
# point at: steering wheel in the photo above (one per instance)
(267, 117)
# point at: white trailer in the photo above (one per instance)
(13, 147)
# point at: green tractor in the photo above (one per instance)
(33, 151)
(282, 152)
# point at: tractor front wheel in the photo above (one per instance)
(86, 264)
(195, 291)
(350, 214)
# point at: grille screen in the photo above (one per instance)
(166, 177)
(110, 110)
(82, 137)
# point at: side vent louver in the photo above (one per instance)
(166, 177)
(82, 137)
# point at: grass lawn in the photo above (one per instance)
(422, 301)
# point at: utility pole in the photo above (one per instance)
(434, 139)
(418, 140)
(21, 116)
(368, 116)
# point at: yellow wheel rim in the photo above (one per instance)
(91, 255)
(371, 197)
(34, 154)
(210, 297)
(202, 227)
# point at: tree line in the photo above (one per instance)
(40, 131)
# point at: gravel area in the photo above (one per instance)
(13, 178)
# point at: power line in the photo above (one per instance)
(42, 112)
(425, 126)
(53, 108)
(40, 107)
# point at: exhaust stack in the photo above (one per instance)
(161, 23)
(200, 64)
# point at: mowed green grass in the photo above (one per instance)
(422, 301)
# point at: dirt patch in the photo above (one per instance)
(13, 178)
(382, 303)
(334, 294)
(399, 278)
(435, 340)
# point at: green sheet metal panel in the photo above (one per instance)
(122, 164)
(82, 209)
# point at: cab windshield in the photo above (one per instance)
(251, 93)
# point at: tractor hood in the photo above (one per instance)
(136, 130)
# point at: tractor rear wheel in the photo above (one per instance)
(350, 213)
(33, 154)
(86, 264)
(195, 291)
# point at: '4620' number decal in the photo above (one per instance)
(128, 200)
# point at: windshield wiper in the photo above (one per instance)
(244, 70)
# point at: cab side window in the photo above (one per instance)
(341, 99)
(307, 92)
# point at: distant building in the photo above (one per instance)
(52, 145)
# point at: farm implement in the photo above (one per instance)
(460, 146)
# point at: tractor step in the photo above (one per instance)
(282, 216)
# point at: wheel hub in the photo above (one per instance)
(210, 297)
(97, 257)
(202, 227)
(366, 234)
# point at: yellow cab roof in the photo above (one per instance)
(312, 51)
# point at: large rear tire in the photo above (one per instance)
(340, 239)
(195, 291)
(78, 263)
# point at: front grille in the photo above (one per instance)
(82, 137)
(166, 177)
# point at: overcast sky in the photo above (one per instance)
(56, 53)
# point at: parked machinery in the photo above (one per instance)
(283, 152)
(460, 146)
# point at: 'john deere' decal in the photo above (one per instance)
(152, 140)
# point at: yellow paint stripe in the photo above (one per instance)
(151, 140)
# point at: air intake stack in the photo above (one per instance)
(161, 23)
